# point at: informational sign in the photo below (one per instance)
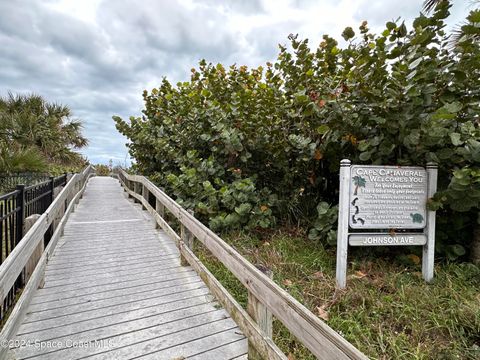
(387, 197)
(385, 206)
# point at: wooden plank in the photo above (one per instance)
(118, 320)
(82, 316)
(114, 263)
(80, 249)
(142, 254)
(192, 340)
(236, 348)
(122, 335)
(85, 289)
(161, 274)
(317, 336)
(198, 345)
(99, 278)
(56, 302)
(120, 273)
(112, 303)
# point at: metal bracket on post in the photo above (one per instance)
(342, 231)
(428, 254)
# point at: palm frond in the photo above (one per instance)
(429, 5)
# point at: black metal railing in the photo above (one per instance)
(8, 182)
(11, 223)
(15, 207)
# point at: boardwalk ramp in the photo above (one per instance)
(115, 289)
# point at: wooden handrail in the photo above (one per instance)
(18, 258)
(317, 336)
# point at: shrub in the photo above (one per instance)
(248, 147)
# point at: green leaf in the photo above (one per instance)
(402, 30)
(323, 208)
(455, 137)
(363, 145)
(348, 33)
(322, 129)
(391, 25)
(453, 107)
(415, 63)
(364, 156)
(243, 209)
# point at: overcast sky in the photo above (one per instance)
(98, 56)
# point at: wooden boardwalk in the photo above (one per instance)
(115, 289)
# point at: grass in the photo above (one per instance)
(387, 310)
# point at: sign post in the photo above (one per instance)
(429, 247)
(342, 232)
(385, 206)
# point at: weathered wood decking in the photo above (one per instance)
(115, 289)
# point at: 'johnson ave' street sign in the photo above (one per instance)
(386, 239)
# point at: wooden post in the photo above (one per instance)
(187, 238)
(261, 315)
(144, 195)
(37, 253)
(428, 255)
(135, 190)
(77, 187)
(342, 231)
(160, 209)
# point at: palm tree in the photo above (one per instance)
(35, 129)
(358, 181)
(19, 159)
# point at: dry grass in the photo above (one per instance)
(387, 311)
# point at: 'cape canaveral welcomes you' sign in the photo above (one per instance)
(387, 197)
(385, 206)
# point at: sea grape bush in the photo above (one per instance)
(249, 148)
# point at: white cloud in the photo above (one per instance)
(97, 56)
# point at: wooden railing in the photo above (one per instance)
(53, 218)
(265, 296)
(15, 209)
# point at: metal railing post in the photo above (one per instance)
(52, 189)
(21, 212)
